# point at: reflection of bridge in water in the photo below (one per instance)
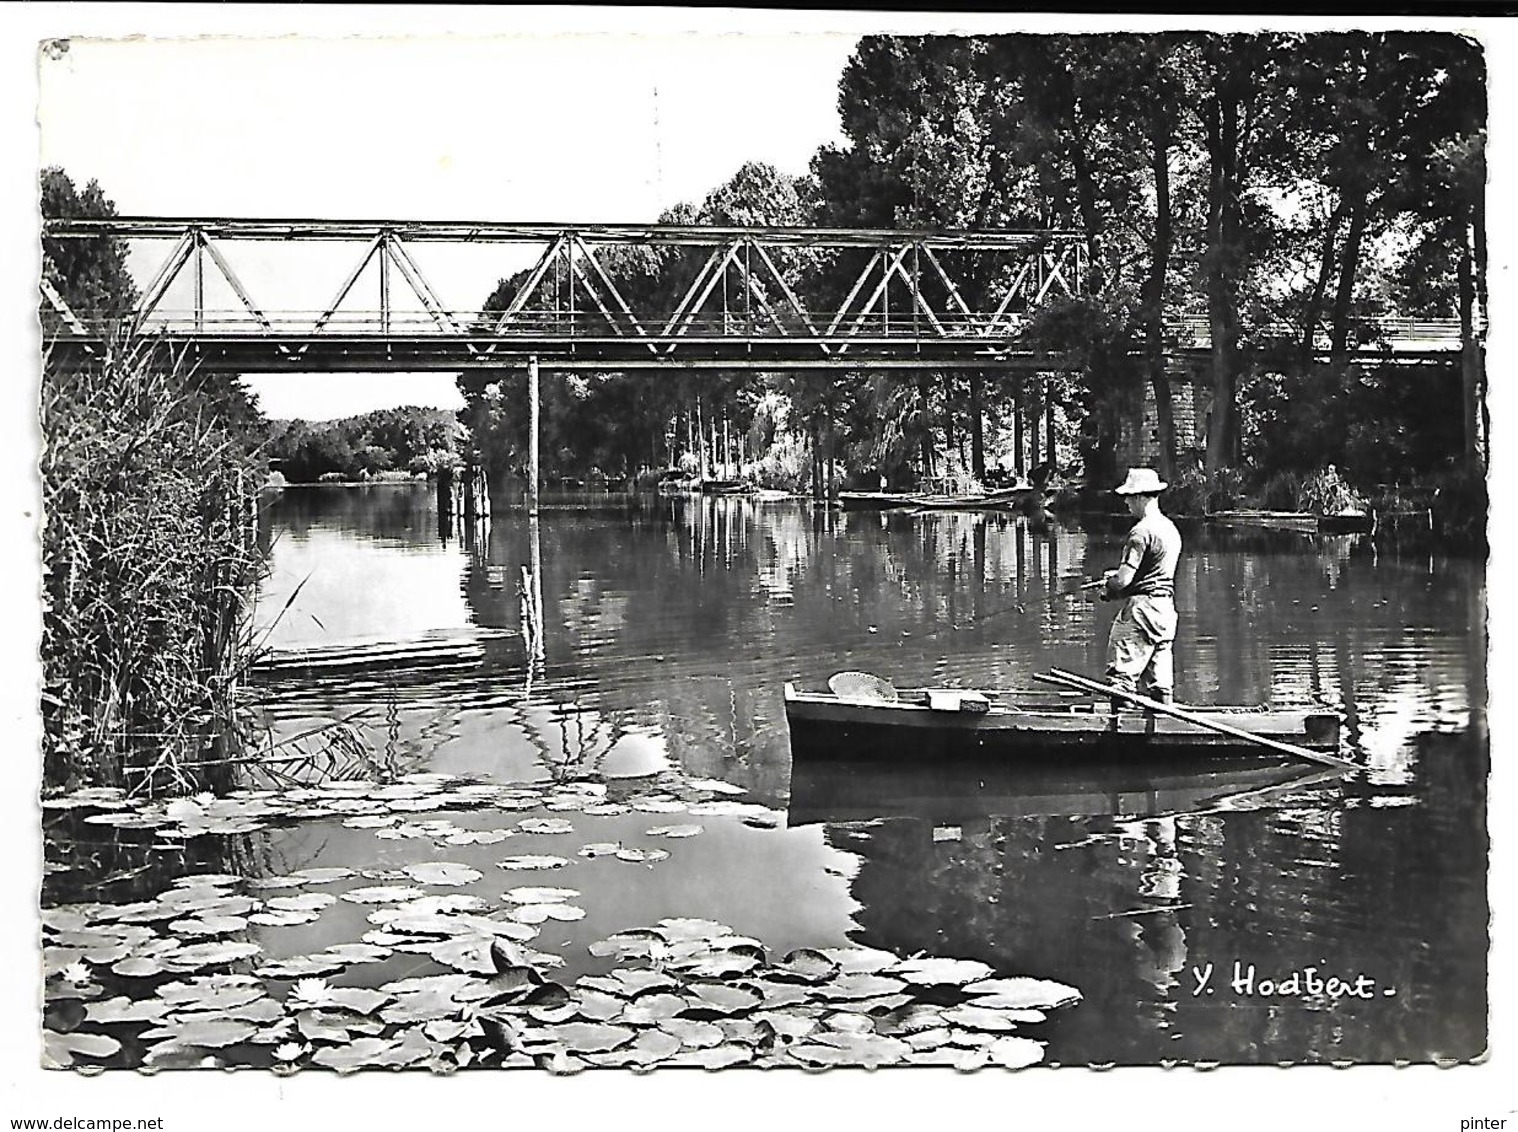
(723, 297)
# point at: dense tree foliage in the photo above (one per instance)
(1276, 193)
(409, 439)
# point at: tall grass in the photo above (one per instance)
(149, 564)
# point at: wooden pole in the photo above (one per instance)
(532, 435)
(1071, 680)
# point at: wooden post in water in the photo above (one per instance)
(532, 435)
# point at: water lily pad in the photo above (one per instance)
(590, 1037)
(529, 862)
(355, 952)
(676, 830)
(859, 987)
(1035, 994)
(198, 955)
(652, 1008)
(978, 1018)
(462, 953)
(429, 1006)
(635, 982)
(652, 1046)
(283, 919)
(652, 805)
(360, 1053)
(477, 836)
(123, 1009)
(713, 786)
(208, 925)
(721, 999)
(860, 960)
(370, 821)
(722, 964)
(539, 895)
(545, 825)
(138, 967)
(597, 1006)
(941, 972)
(807, 965)
(678, 929)
(324, 875)
(1015, 1053)
(305, 902)
(787, 1024)
(202, 1032)
(382, 894)
(60, 1050)
(838, 1048)
(213, 992)
(642, 856)
(714, 1057)
(692, 1033)
(301, 966)
(848, 1023)
(918, 1018)
(260, 1010)
(928, 1039)
(780, 994)
(600, 849)
(1006, 1005)
(607, 809)
(636, 944)
(447, 902)
(442, 873)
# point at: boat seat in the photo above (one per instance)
(971, 703)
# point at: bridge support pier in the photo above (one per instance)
(532, 436)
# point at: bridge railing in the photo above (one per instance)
(825, 326)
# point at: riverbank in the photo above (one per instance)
(150, 556)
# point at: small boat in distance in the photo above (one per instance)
(956, 723)
(971, 501)
(1304, 522)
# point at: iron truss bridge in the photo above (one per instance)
(596, 296)
(620, 296)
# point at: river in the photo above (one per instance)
(670, 626)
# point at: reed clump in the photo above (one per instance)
(150, 559)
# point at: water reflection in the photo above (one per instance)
(666, 631)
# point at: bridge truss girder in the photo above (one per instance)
(912, 298)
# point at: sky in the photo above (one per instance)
(537, 126)
(573, 127)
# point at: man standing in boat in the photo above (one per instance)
(1139, 646)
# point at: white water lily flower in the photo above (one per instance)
(289, 1051)
(310, 992)
(76, 973)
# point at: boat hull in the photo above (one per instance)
(826, 726)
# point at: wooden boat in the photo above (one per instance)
(725, 487)
(977, 501)
(874, 500)
(1305, 522)
(974, 501)
(939, 723)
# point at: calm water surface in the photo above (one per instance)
(670, 627)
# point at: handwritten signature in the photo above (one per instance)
(1306, 983)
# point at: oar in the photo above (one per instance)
(1070, 679)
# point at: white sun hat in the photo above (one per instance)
(1141, 481)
